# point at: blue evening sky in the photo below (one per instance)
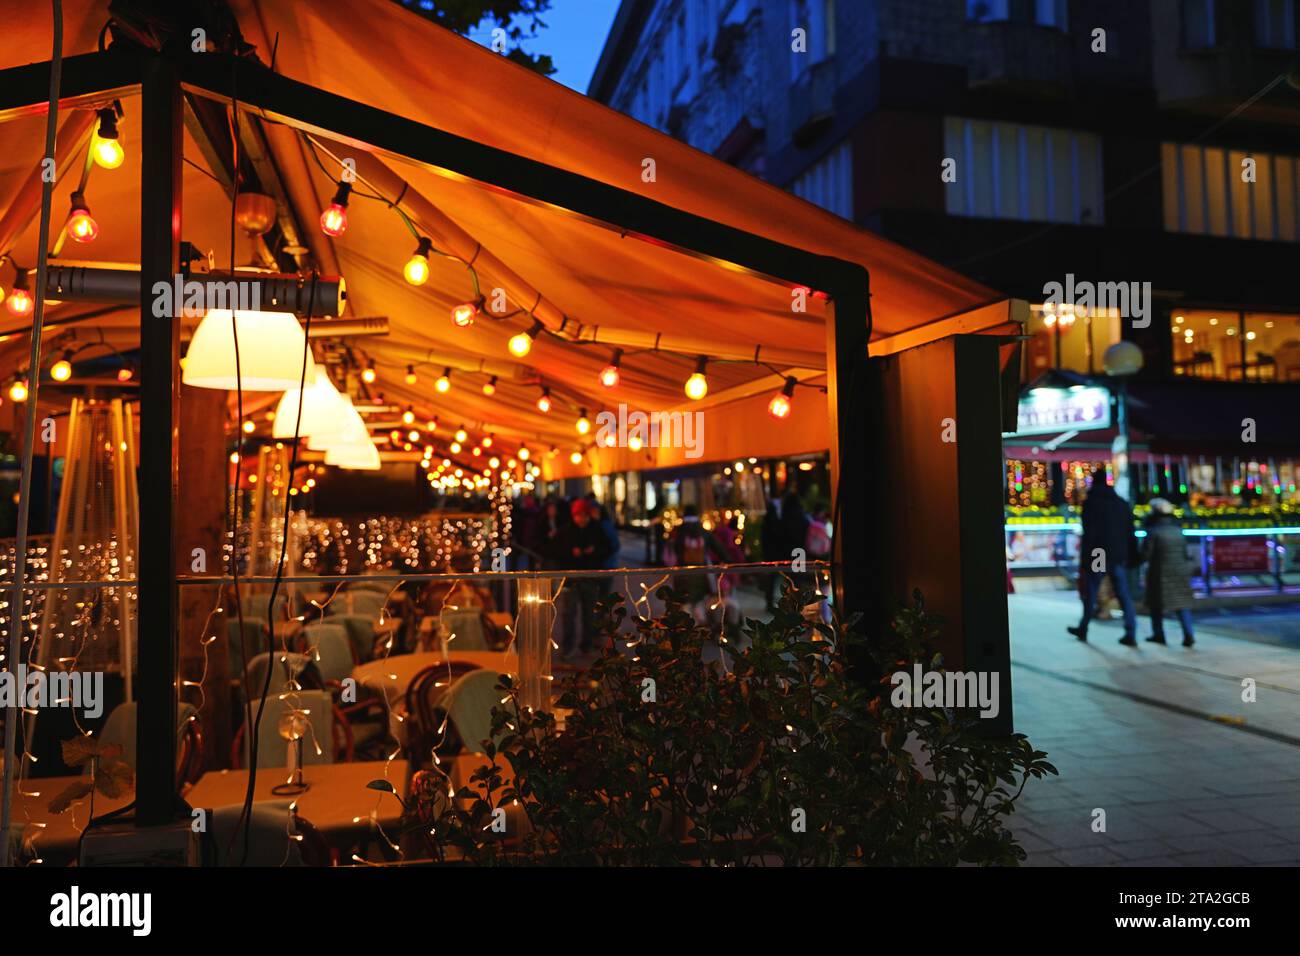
(574, 36)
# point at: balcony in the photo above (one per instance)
(812, 103)
(1020, 55)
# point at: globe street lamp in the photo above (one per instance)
(1121, 360)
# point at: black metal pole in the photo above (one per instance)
(856, 427)
(160, 225)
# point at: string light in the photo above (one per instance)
(583, 424)
(634, 442)
(462, 315)
(576, 457)
(609, 375)
(61, 370)
(108, 150)
(334, 220)
(411, 378)
(490, 386)
(443, 384)
(416, 269)
(697, 386)
(779, 406)
(521, 344)
(81, 225)
(432, 424)
(248, 428)
(544, 400)
(461, 434)
(368, 374)
(18, 391)
(523, 453)
(20, 301)
(408, 416)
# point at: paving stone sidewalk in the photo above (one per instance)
(1159, 738)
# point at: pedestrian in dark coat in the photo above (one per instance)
(1169, 573)
(1108, 549)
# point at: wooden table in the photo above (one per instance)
(57, 841)
(336, 797)
(394, 674)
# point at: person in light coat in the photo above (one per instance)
(1169, 573)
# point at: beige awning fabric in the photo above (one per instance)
(600, 289)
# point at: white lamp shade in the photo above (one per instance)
(271, 347)
(363, 456)
(345, 428)
(321, 412)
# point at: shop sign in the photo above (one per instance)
(1047, 410)
(1242, 555)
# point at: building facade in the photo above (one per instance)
(1143, 152)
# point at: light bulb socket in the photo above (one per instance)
(20, 278)
(536, 329)
(788, 389)
(107, 123)
(701, 364)
(616, 359)
(422, 248)
(79, 203)
(341, 194)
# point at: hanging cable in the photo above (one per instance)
(14, 646)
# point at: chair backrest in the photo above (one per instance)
(269, 842)
(272, 749)
(424, 705)
(254, 638)
(361, 632)
(360, 601)
(467, 624)
(119, 729)
(333, 650)
(287, 667)
(254, 606)
(469, 704)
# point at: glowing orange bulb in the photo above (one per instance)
(487, 441)
(410, 375)
(20, 302)
(108, 153)
(18, 391)
(416, 269)
(697, 386)
(463, 315)
(583, 424)
(81, 225)
(61, 370)
(124, 374)
(779, 406)
(461, 434)
(490, 386)
(576, 458)
(443, 384)
(544, 401)
(334, 220)
(368, 374)
(609, 376)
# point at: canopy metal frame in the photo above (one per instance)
(162, 78)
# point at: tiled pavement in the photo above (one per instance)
(1177, 787)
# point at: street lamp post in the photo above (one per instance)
(1121, 360)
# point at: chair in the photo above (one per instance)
(361, 632)
(334, 653)
(360, 601)
(469, 704)
(269, 840)
(424, 710)
(290, 666)
(328, 728)
(119, 729)
(467, 625)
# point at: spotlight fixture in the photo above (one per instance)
(334, 220)
(544, 400)
(443, 384)
(416, 269)
(779, 406)
(61, 370)
(490, 386)
(609, 374)
(107, 150)
(521, 344)
(697, 386)
(81, 225)
(411, 378)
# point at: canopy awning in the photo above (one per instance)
(597, 288)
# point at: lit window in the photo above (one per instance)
(1227, 192)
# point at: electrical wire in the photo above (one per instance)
(29, 435)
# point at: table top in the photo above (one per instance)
(394, 674)
(337, 794)
(62, 830)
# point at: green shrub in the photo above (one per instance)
(776, 757)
